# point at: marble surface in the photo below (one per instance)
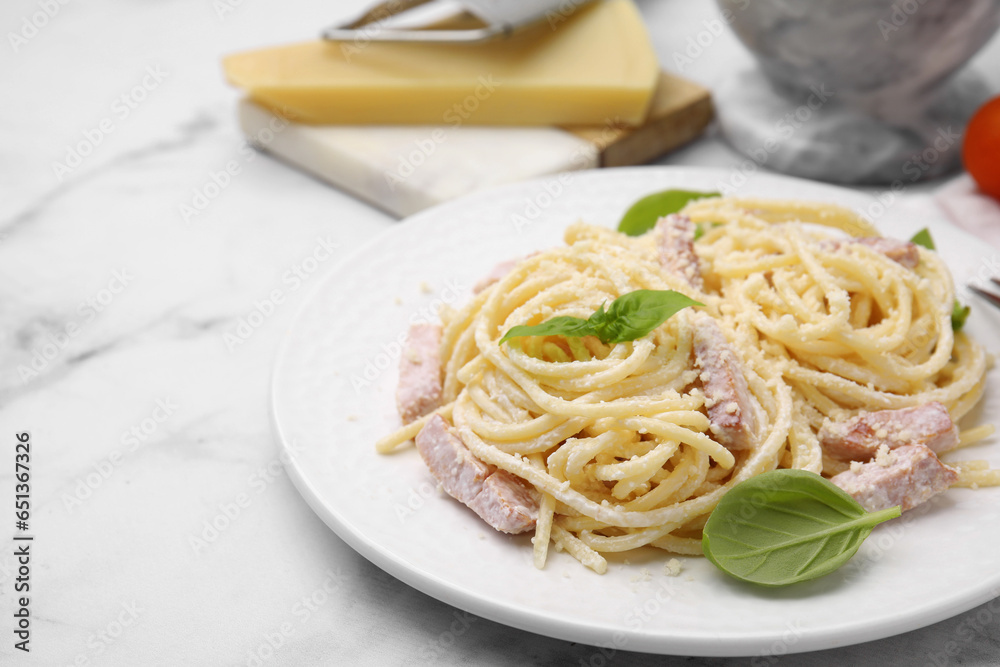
(149, 423)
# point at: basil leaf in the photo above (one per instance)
(923, 238)
(786, 526)
(557, 326)
(959, 314)
(599, 319)
(631, 316)
(642, 215)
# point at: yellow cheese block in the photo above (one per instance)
(593, 68)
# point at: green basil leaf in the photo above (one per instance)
(599, 319)
(923, 237)
(642, 215)
(557, 326)
(631, 316)
(959, 314)
(786, 526)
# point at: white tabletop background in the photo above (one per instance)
(145, 425)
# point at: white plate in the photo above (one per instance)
(333, 396)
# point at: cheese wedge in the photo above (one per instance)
(592, 68)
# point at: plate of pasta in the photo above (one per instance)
(513, 407)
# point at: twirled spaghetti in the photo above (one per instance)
(617, 439)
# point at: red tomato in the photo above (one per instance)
(981, 149)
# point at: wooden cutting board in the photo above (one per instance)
(405, 169)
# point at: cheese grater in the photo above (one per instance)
(499, 18)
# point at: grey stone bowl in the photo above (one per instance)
(856, 91)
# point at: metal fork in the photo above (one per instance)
(989, 296)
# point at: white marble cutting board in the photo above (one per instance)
(403, 170)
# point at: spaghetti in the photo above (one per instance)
(617, 439)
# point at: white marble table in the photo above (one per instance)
(148, 423)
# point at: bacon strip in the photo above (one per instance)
(676, 243)
(499, 498)
(858, 438)
(419, 389)
(730, 404)
(506, 503)
(912, 475)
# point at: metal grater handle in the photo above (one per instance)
(502, 18)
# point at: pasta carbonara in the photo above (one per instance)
(633, 444)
